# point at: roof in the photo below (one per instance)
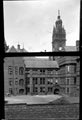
(65, 100)
(35, 58)
(60, 101)
(41, 63)
(21, 50)
(70, 48)
(13, 49)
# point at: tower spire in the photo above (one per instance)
(58, 14)
(58, 41)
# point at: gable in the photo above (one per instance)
(12, 49)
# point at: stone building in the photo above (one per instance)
(14, 75)
(69, 67)
(18, 49)
(29, 75)
(41, 76)
(68, 74)
(59, 37)
(78, 74)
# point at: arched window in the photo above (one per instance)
(21, 71)
(21, 82)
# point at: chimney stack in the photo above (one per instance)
(18, 47)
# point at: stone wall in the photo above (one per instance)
(42, 112)
(11, 74)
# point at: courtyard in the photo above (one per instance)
(36, 99)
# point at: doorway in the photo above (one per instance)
(56, 91)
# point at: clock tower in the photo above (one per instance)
(58, 36)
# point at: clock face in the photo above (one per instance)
(60, 48)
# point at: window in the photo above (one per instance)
(50, 71)
(21, 82)
(27, 71)
(49, 89)
(26, 75)
(68, 68)
(10, 81)
(35, 81)
(35, 89)
(56, 72)
(67, 81)
(74, 80)
(34, 71)
(42, 80)
(42, 89)
(16, 90)
(27, 80)
(75, 69)
(67, 90)
(10, 70)
(21, 71)
(16, 70)
(10, 91)
(56, 81)
(42, 71)
(16, 82)
(50, 80)
(27, 90)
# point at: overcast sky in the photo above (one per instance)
(31, 22)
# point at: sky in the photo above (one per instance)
(30, 23)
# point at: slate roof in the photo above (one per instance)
(61, 101)
(65, 100)
(41, 63)
(13, 49)
(35, 58)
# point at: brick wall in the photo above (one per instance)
(42, 112)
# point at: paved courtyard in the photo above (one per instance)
(37, 99)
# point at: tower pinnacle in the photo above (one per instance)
(59, 35)
(58, 14)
